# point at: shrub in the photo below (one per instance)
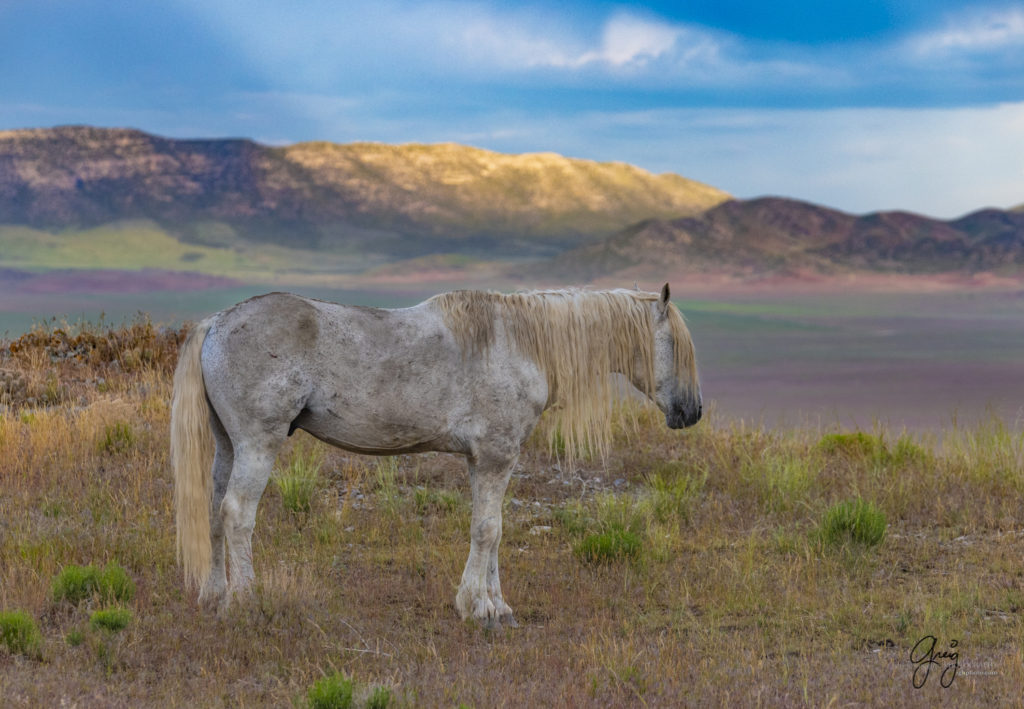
(615, 543)
(128, 347)
(20, 634)
(856, 520)
(112, 619)
(77, 583)
(332, 692)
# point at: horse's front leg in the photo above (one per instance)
(479, 595)
(503, 609)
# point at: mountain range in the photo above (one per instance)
(401, 200)
(777, 235)
(581, 219)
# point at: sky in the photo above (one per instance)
(861, 106)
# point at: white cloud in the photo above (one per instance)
(631, 40)
(626, 41)
(506, 44)
(979, 32)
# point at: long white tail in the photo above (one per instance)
(192, 448)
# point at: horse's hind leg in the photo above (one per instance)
(215, 588)
(479, 595)
(253, 461)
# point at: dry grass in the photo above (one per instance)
(733, 598)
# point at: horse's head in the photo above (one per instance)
(676, 388)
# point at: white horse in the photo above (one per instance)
(464, 372)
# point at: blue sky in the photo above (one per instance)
(915, 104)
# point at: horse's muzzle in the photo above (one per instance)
(684, 416)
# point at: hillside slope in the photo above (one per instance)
(401, 199)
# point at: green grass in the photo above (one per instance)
(110, 619)
(380, 698)
(117, 438)
(78, 583)
(297, 483)
(674, 491)
(385, 473)
(856, 444)
(427, 500)
(855, 521)
(133, 245)
(611, 545)
(125, 245)
(20, 634)
(331, 692)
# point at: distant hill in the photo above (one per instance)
(777, 235)
(402, 201)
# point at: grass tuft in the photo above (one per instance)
(111, 619)
(78, 583)
(611, 545)
(385, 474)
(117, 438)
(20, 634)
(446, 501)
(331, 692)
(857, 444)
(856, 520)
(298, 482)
(380, 698)
(673, 491)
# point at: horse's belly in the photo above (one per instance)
(370, 432)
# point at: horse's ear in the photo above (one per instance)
(663, 302)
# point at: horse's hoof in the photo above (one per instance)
(508, 620)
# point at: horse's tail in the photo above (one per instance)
(191, 450)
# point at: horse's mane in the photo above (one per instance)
(576, 337)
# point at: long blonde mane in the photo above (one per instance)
(576, 337)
